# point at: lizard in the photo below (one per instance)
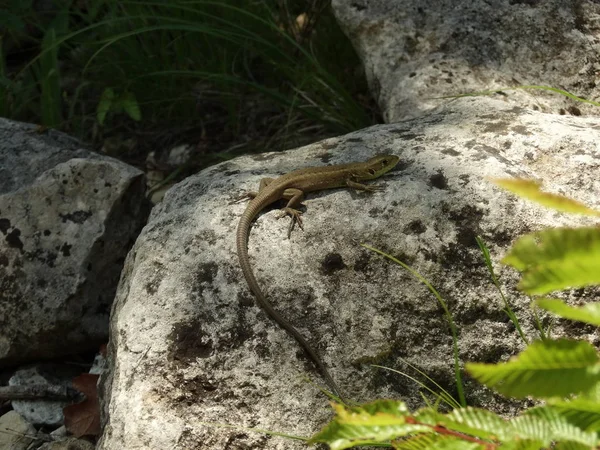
(292, 187)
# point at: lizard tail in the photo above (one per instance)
(243, 231)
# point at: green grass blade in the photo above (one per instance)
(559, 91)
(51, 104)
(457, 373)
(507, 308)
(443, 395)
(544, 334)
(544, 369)
(4, 83)
(540, 87)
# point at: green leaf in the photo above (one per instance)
(104, 106)
(581, 412)
(522, 444)
(380, 421)
(531, 190)
(560, 428)
(454, 444)
(476, 422)
(571, 445)
(588, 313)
(544, 369)
(424, 442)
(532, 429)
(557, 258)
(131, 106)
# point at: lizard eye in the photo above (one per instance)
(372, 171)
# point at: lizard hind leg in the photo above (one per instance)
(264, 182)
(294, 197)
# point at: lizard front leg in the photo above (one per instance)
(363, 187)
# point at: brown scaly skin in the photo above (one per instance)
(292, 187)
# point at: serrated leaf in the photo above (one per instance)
(544, 369)
(588, 313)
(455, 444)
(522, 444)
(561, 429)
(557, 258)
(581, 412)
(419, 442)
(478, 422)
(531, 190)
(379, 421)
(570, 445)
(532, 428)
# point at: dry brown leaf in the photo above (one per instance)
(83, 419)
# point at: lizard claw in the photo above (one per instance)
(374, 188)
(296, 218)
(241, 198)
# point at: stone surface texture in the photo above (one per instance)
(15, 432)
(67, 219)
(416, 51)
(189, 347)
(43, 411)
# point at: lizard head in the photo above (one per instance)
(377, 166)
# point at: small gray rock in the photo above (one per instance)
(43, 411)
(15, 432)
(68, 444)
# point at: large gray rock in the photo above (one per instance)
(189, 346)
(67, 219)
(415, 51)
